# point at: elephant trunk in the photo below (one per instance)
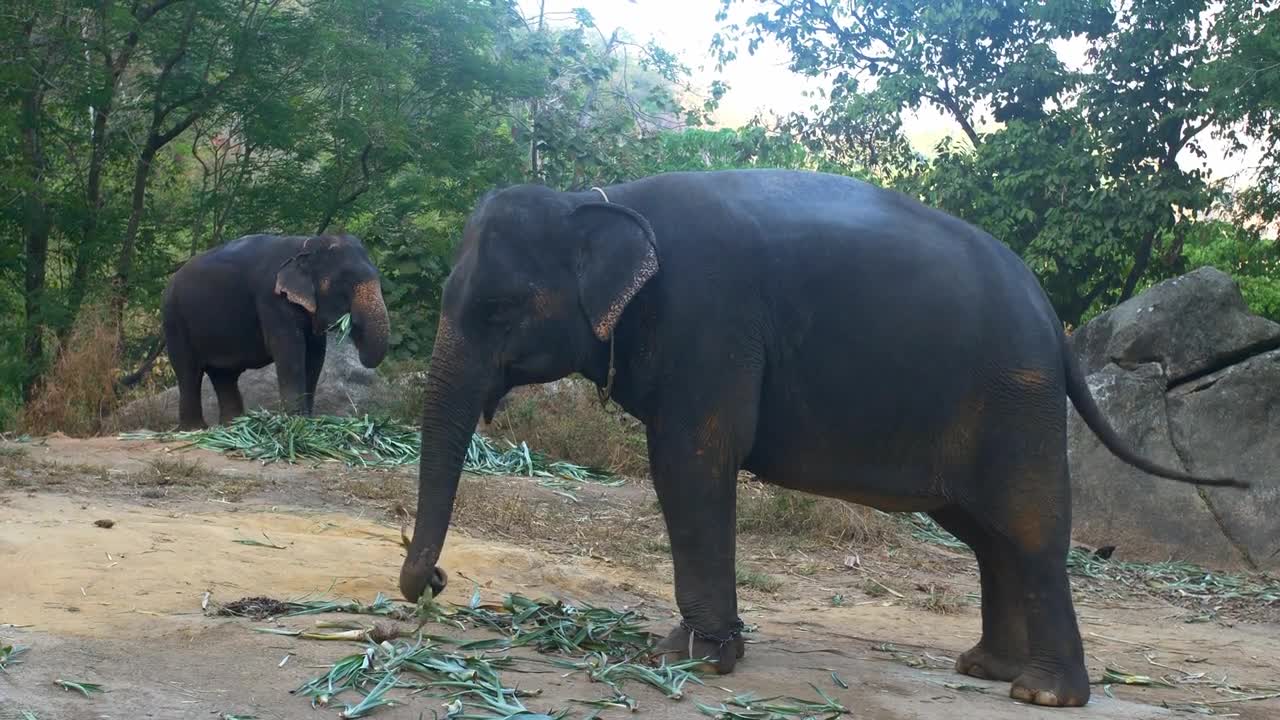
(370, 327)
(455, 387)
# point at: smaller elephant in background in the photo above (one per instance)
(268, 298)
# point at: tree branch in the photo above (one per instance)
(355, 194)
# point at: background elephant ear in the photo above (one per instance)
(294, 282)
(617, 257)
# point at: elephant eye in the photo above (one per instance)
(500, 311)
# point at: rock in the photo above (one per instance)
(1190, 379)
(345, 388)
(1114, 504)
(1228, 423)
(1190, 325)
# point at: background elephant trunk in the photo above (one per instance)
(369, 324)
(455, 387)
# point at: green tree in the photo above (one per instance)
(1243, 82)
(1082, 172)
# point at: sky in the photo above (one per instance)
(762, 82)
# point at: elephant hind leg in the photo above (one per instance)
(190, 379)
(1001, 653)
(230, 402)
(1027, 516)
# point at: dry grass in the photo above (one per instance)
(756, 580)
(78, 391)
(941, 599)
(564, 420)
(177, 473)
(487, 506)
(776, 512)
(395, 489)
(173, 470)
(514, 511)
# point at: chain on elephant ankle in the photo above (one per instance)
(735, 633)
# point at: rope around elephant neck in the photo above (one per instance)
(604, 392)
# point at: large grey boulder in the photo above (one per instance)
(1191, 324)
(1116, 504)
(1229, 423)
(1191, 379)
(345, 388)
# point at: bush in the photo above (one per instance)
(564, 421)
(770, 511)
(78, 391)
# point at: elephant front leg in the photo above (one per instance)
(695, 476)
(315, 363)
(288, 349)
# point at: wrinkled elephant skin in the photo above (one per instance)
(824, 334)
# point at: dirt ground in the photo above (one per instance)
(121, 606)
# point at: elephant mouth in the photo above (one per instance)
(494, 397)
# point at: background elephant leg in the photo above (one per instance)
(315, 363)
(230, 403)
(1001, 654)
(190, 377)
(190, 414)
(695, 477)
(189, 372)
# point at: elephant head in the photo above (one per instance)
(540, 282)
(331, 276)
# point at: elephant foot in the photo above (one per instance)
(982, 663)
(684, 643)
(1067, 687)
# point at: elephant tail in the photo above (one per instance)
(134, 377)
(1078, 391)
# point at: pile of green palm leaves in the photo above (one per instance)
(468, 681)
(363, 442)
(554, 626)
(468, 677)
(605, 644)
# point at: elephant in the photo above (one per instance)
(260, 299)
(825, 334)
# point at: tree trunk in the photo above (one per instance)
(35, 227)
(114, 65)
(93, 207)
(124, 265)
(221, 211)
(1141, 262)
(35, 214)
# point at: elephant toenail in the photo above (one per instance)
(1046, 697)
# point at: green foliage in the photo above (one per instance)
(1252, 260)
(1243, 87)
(1044, 190)
(134, 135)
(1087, 173)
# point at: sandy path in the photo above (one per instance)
(121, 607)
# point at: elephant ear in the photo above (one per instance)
(295, 284)
(617, 256)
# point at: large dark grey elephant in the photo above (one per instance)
(824, 334)
(268, 298)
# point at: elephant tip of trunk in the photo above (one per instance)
(371, 357)
(416, 579)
